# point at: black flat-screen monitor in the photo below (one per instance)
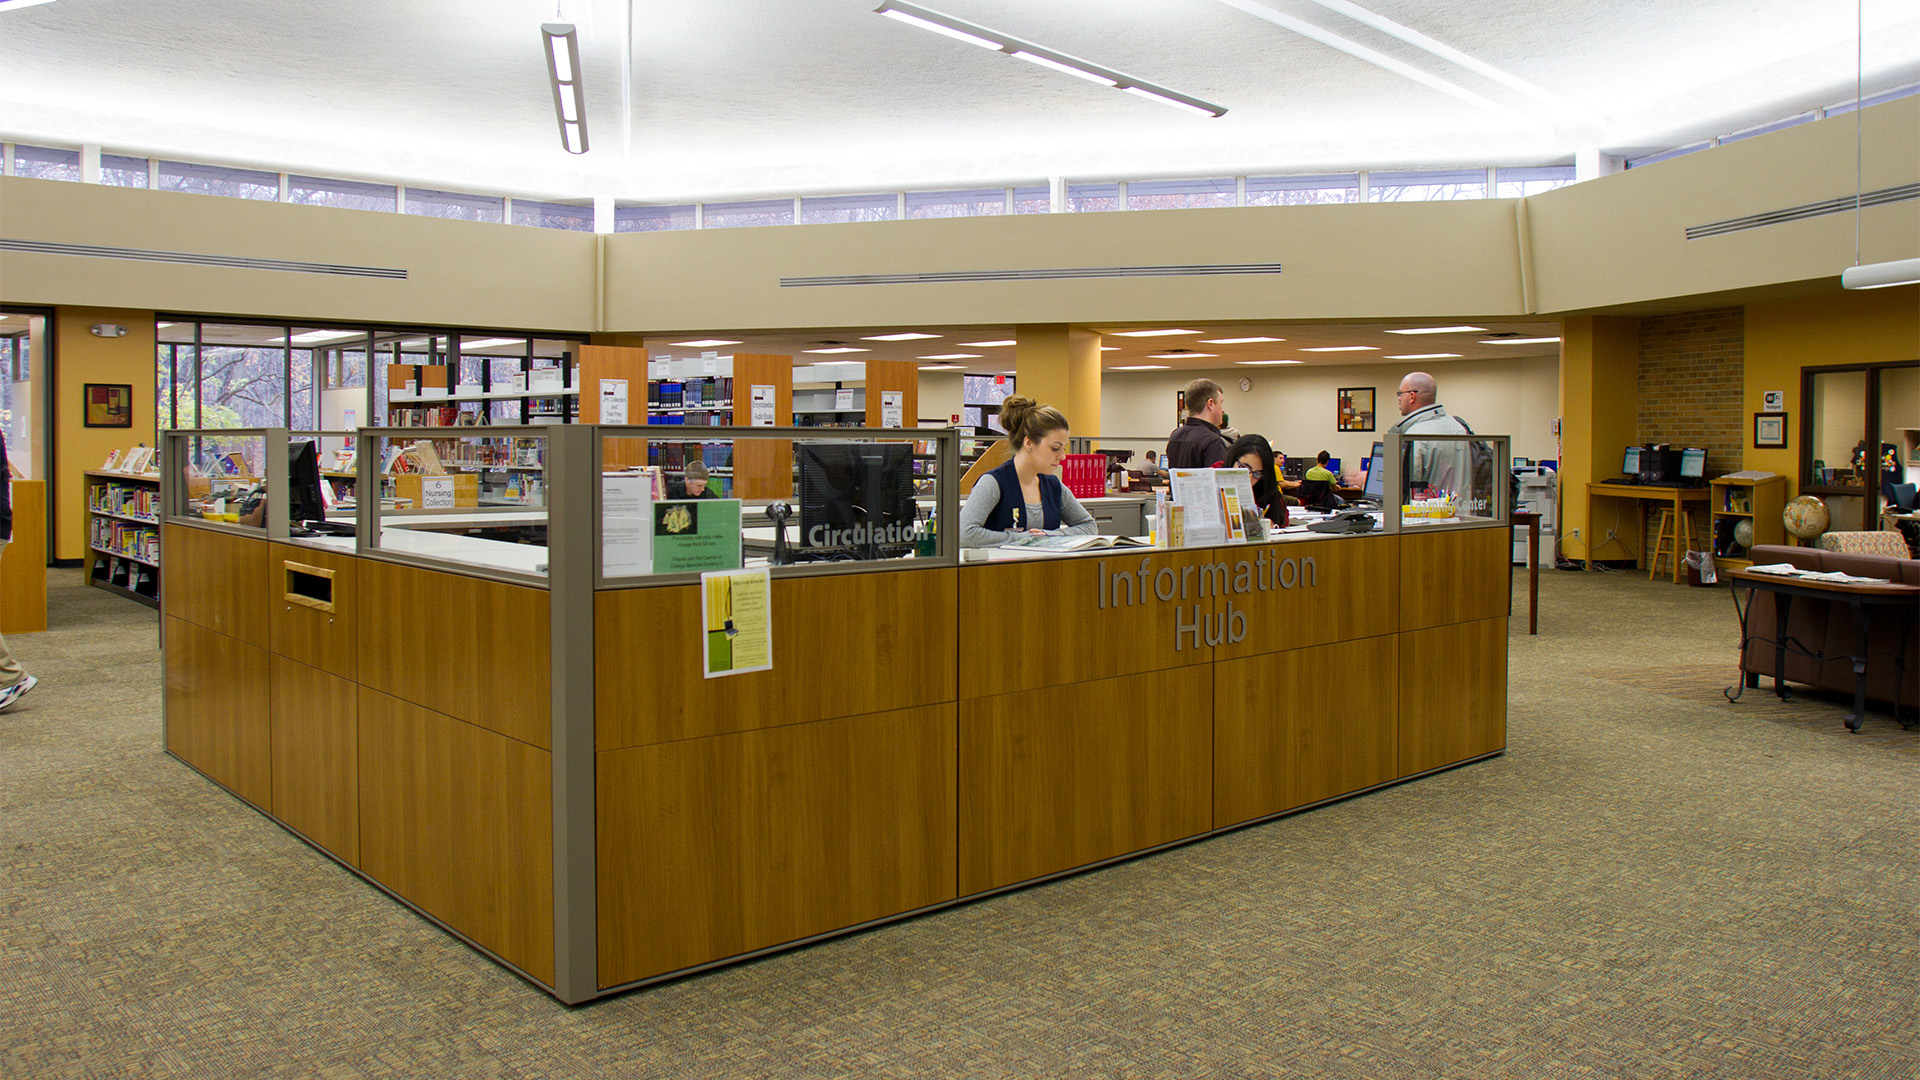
(1630, 463)
(856, 499)
(1693, 463)
(1376, 474)
(304, 501)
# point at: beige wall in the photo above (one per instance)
(82, 358)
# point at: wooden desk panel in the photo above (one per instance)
(843, 646)
(1357, 593)
(1452, 576)
(458, 819)
(216, 579)
(23, 565)
(1065, 776)
(1004, 647)
(328, 640)
(1453, 694)
(713, 847)
(1299, 727)
(480, 651)
(316, 756)
(218, 709)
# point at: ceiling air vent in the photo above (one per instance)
(190, 258)
(1064, 273)
(1841, 205)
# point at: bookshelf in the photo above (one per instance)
(1758, 502)
(123, 534)
(421, 395)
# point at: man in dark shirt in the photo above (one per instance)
(1198, 444)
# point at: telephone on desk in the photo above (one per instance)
(1350, 521)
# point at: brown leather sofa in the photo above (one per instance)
(1827, 627)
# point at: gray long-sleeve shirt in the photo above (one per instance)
(1074, 519)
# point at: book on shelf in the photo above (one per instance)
(1031, 542)
(113, 458)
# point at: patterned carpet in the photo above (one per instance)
(1651, 883)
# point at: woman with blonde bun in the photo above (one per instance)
(1025, 496)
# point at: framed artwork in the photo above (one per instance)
(1353, 409)
(1770, 431)
(1774, 401)
(109, 405)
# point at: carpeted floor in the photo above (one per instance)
(1650, 883)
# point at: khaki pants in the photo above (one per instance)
(10, 672)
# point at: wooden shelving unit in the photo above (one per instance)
(123, 534)
(1760, 502)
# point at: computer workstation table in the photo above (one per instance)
(1679, 498)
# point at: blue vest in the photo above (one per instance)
(1012, 501)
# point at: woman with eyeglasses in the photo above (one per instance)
(1255, 454)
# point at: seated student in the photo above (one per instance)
(1025, 496)
(694, 486)
(1255, 454)
(1316, 490)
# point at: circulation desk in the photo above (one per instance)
(557, 785)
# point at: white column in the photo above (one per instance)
(1589, 162)
(1057, 195)
(900, 211)
(1239, 191)
(506, 210)
(1123, 195)
(603, 214)
(699, 215)
(796, 209)
(153, 174)
(285, 186)
(89, 164)
(6, 169)
(1009, 189)
(1366, 186)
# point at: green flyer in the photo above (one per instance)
(696, 535)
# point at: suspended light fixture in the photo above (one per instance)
(1883, 275)
(563, 69)
(975, 34)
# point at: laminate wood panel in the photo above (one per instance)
(763, 468)
(1316, 592)
(1294, 728)
(218, 709)
(23, 563)
(458, 820)
(1453, 694)
(842, 646)
(1453, 576)
(328, 640)
(599, 362)
(316, 755)
(893, 376)
(217, 579)
(1004, 647)
(1065, 776)
(477, 650)
(713, 847)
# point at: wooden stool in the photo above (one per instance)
(1674, 539)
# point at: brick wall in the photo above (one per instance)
(1692, 374)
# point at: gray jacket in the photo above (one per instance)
(1443, 466)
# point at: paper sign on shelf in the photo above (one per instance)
(626, 525)
(436, 493)
(843, 399)
(517, 382)
(545, 380)
(613, 401)
(709, 363)
(893, 404)
(657, 369)
(762, 413)
(736, 636)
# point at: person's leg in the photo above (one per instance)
(10, 674)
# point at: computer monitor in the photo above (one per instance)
(1376, 474)
(1693, 463)
(1659, 464)
(1630, 464)
(304, 501)
(856, 500)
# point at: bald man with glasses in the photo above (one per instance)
(1435, 466)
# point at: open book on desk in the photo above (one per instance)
(1832, 577)
(1073, 543)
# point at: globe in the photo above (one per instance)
(1806, 517)
(1743, 532)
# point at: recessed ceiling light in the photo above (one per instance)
(1441, 330)
(492, 342)
(1426, 356)
(1267, 363)
(704, 343)
(1109, 348)
(1344, 348)
(1181, 355)
(952, 356)
(1153, 333)
(10, 5)
(899, 337)
(939, 367)
(1238, 340)
(836, 349)
(1142, 367)
(986, 344)
(315, 337)
(1520, 341)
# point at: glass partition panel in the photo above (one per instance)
(217, 477)
(473, 497)
(729, 498)
(1448, 479)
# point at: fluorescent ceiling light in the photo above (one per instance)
(165, 325)
(975, 34)
(939, 367)
(1883, 275)
(1009, 371)
(1141, 367)
(1180, 355)
(1426, 356)
(1442, 330)
(952, 356)
(899, 337)
(1109, 348)
(562, 44)
(1520, 341)
(315, 337)
(704, 343)
(1152, 333)
(986, 344)
(841, 363)
(840, 349)
(1267, 363)
(11, 5)
(1238, 340)
(1343, 348)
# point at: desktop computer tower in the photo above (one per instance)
(1659, 464)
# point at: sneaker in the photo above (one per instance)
(17, 691)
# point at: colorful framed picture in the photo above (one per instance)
(1353, 408)
(108, 405)
(1770, 431)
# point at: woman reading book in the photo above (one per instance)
(1025, 497)
(1255, 454)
